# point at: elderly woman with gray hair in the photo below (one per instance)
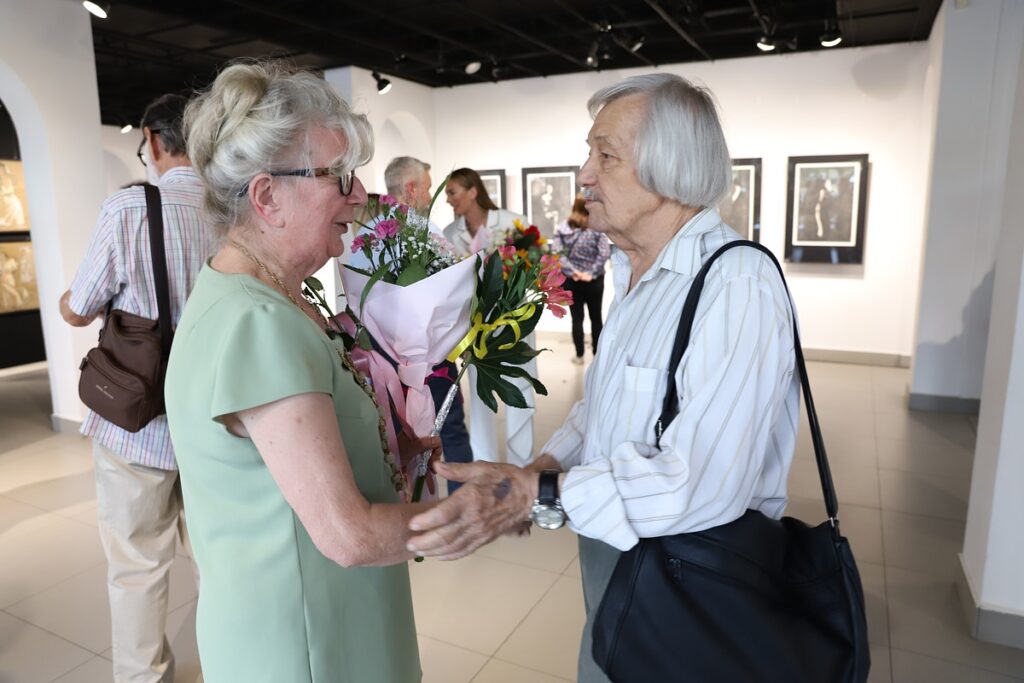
(290, 493)
(658, 162)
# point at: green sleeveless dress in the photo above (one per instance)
(271, 607)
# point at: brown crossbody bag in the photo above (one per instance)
(122, 378)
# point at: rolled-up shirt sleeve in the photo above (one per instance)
(566, 444)
(733, 382)
(102, 273)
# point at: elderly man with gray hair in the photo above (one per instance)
(658, 163)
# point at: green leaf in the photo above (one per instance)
(491, 380)
(413, 272)
(363, 340)
(491, 285)
(314, 284)
(519, 354)
(377, 275)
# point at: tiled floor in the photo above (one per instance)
(513, 612)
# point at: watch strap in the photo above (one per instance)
(547, 493)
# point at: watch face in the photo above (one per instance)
(548, 516)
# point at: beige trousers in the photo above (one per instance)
(140, 521)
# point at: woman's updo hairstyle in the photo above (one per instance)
(253, 113)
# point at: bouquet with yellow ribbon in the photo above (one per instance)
(517, 281)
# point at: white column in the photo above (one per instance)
(48, 84)
(992, 562)
(974, 53)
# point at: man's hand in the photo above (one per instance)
(70, 317)
(494, 499)
(546, 461)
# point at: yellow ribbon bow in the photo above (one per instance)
(480, 331)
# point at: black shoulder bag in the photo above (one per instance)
(756, 600)
(122, 378)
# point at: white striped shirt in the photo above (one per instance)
(730, 446)
(118, 266)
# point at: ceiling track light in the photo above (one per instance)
(383, 84)
(472, 68)
(127, 128)
(97, 9)
(592, 55)
(635, 46)
(766, 43)
(831, 37)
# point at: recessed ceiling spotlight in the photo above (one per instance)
(97, 10)
(766, 44)
(831, 37)
(472, 68)
(127, 128)
(383, 84)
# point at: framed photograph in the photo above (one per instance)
(13, 203)
(826, 209)
(740, 208)
(494, 181)
(548, 194)
(17, 278)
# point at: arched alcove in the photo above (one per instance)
(20, 323)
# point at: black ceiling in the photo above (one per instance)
(146, 48)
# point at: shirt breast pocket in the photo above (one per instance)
(643, 390)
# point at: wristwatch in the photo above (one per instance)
(547, 512)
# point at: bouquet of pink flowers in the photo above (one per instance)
(420, 305)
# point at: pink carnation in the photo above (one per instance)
(507, 253)
(386, 228)
(358, 243)
(388, 200)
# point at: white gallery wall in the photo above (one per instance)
(120, 165)
(975, 53)
(850, 101)
(48, 84)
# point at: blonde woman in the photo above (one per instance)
(290, 494)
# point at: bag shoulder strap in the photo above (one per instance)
(155, 216)
(670, 406)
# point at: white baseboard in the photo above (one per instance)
(944, 404)
(989, 625)
(23, 369)
(63, 425)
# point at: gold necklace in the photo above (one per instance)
(397, 477)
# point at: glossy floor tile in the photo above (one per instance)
(513, 613)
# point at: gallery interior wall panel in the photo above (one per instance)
(861, 100)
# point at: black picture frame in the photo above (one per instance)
(497, 187)
(548, 195)
(740, 208)
(826, 209)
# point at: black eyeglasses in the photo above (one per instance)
(345, 182)
(142, 143)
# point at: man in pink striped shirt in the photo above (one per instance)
(138, 497)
